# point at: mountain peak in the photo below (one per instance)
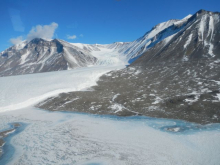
(202, 12)
(37, 40)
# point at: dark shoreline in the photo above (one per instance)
(5, 134)
(173, 126)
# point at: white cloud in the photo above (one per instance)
(71, 37)
(45, 31)
(16, 40)
(81, 35)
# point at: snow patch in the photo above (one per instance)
(202, 26)
(115, 96)
(24, 57)
(188, 41)
(157, 100)
(70, 59)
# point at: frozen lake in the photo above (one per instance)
(75, 138)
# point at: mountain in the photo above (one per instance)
(39, 55)
(176, 77)
(196, 39)
(128, 52)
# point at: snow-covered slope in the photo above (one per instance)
(139, 46)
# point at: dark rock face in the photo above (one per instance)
(4, 134)
(40, 55)
(177, 78)
(197, 39)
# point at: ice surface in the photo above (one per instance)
(106, 54)
(67, 138)
(21, 91)
(109, 57)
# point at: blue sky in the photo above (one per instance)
(90, 21)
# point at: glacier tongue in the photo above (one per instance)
(37, 87)
(106, 54)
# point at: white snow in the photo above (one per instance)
(211, 50)
(167, 39)
(109, 57)
(157, 100)
(70, 59)
(192, 100)
(160, 27)
(188, 41)
(202, 26)
(117, 107)
(210, 33)
(80, 45)
(115, 96)
(37, 87)
(21, 45)
(23, 57)
(106, 54)
(218, 96)
(211, 27)
(9, 132)
(183, 20)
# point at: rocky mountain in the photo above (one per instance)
(136, 48)
(39, 55)
(196, 39)
(176, 77)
